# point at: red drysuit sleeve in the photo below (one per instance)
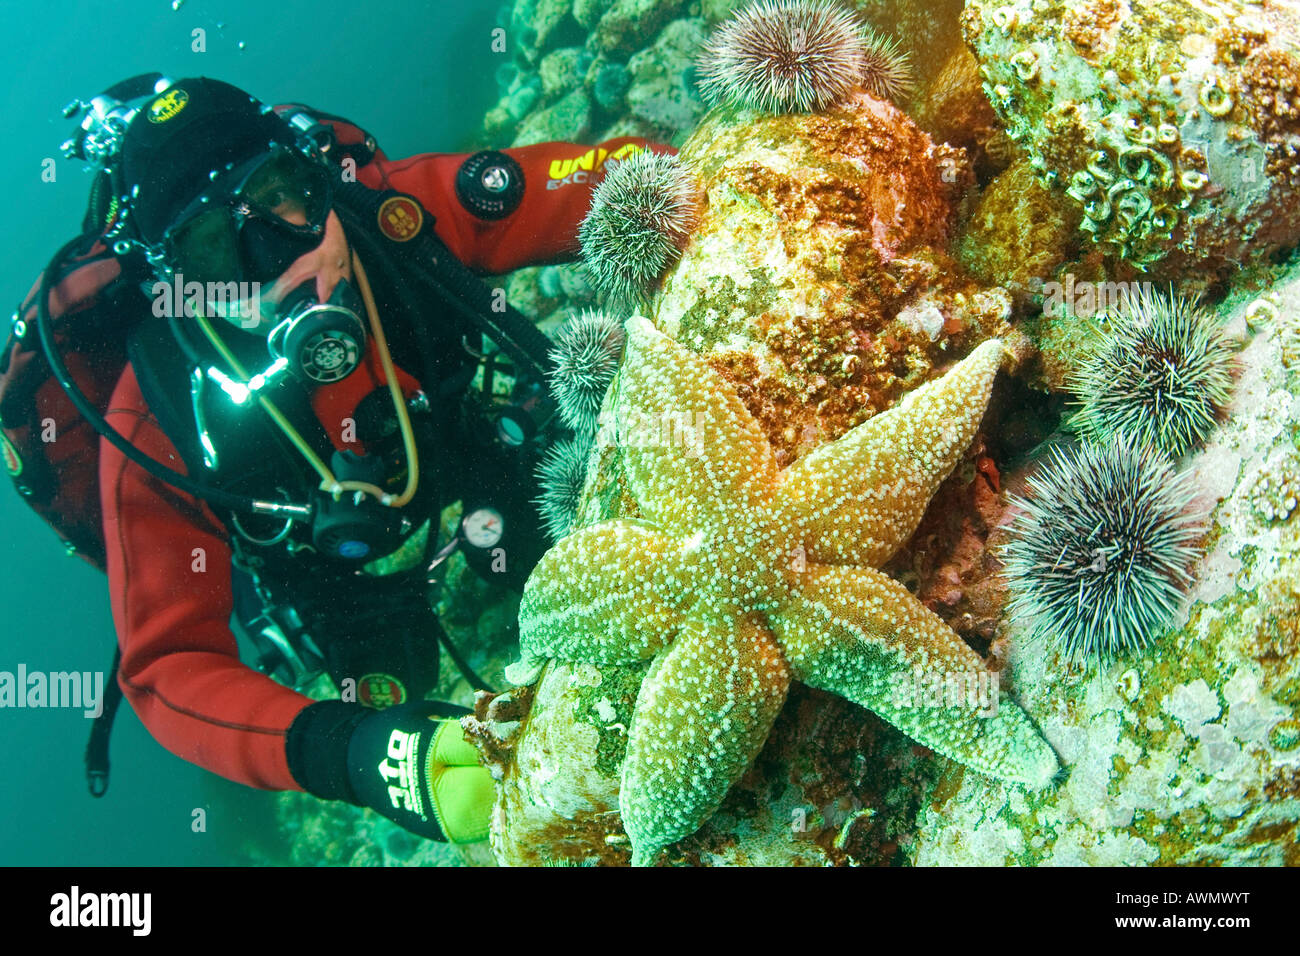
(169, 578)
(558, 179)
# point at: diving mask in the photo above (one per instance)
(261, 217)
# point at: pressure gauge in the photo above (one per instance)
(483, 527)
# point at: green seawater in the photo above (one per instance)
(419, 76)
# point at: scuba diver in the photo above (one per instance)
(271, 364)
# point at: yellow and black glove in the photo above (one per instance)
(409, 763)
(461, 791)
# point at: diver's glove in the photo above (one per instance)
(409, 763)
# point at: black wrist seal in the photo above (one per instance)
(317, 748)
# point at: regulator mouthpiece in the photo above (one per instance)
(320, 342)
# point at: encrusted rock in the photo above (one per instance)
(627, 24)
(661, 92)
(817, 280)
(560, 70)
(1184, 753)
(543, 22)
(1017, 233)
(1173, 126)
(568, 120)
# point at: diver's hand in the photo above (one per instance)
(418, 771)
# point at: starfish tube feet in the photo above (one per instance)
(688, 443)
(704, 710)
(858, 499)
(606, 594)
(862, 635)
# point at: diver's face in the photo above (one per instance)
(325, 266)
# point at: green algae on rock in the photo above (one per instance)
(1170, 125)
(1183, 756)
(1017, 233)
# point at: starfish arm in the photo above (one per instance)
(856, 500)
(607, 594)
(690, 447)
(704, 710)
(860, 634)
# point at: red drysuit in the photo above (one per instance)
(179, 666)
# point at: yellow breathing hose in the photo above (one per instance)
(329, 483)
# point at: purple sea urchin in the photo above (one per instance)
(641, 215)
(562, 473)
(1102, 549)
(1161, 377)
(786, 56)
(586, 353)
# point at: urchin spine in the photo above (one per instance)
(586, 356)
(562, 474)
(1160, 378)
(1102, 549)
(798, 56)
(886, 68)
(641, 216)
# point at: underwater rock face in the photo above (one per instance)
(816, 281)
(559, 795)
(1017, 232)
(568, 120)
(661, 92)
(1188, 752)
(951, 107)
(818, 232)
(627, 22)
(1174, 127)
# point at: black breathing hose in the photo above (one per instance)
(44, 327)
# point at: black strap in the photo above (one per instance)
(462, 665)
(101, 730)
(451, 280)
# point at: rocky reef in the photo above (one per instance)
(842, 260)
(1170, 127)
(1187, 753)
(579, 71)
(818, 279)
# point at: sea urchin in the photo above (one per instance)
(562, 473)
(1160, 378)
(641, 215)
(586, 354)
(788, 56)
(1102, 550)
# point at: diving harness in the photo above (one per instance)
(360, 501)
